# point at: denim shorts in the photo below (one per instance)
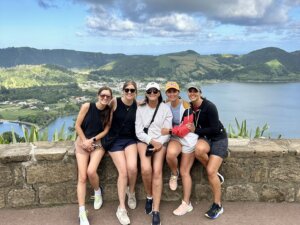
(121, 144)
(219, 148)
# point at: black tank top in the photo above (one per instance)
(128, 130)
(92, 124)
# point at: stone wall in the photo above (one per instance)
(43, 174)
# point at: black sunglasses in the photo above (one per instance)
(131, 90)
(152, 90)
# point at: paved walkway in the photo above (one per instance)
(235, 213)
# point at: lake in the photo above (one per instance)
(259, 103)
(52, 127)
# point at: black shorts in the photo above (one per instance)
(219, 148)
(121, 144)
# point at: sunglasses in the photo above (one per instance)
(105, 96)
(131, 90)
(152, 90)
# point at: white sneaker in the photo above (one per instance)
(173, 181)
(131, 199)
(98, 201)
(83, 218)
(122, 216)
(183, 209)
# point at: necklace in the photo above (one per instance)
(196, 121)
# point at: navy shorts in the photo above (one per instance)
(121, 144)
(219, 148)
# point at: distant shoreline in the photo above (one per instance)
(20, 122)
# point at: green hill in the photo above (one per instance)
(267, 64)
(10, 57)
(26, 76)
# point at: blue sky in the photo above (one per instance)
(151, 26)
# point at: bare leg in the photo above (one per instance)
(158, 160)
(119, 160)
(82, 164)
(186, 163)
(146, 168)
(95, 159)
(174, 149)
(201, 152)
(212, 168)
(131, 163)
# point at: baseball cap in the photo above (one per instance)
(152, 85)
(195, 86)
(172, 84)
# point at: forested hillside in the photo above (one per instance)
(268, 64)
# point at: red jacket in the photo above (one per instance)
(182, 130)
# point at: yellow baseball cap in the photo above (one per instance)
(172, 84)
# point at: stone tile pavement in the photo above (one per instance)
(235, 213)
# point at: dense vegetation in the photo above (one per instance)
(268, 64)
(47, 94)
(10, 57)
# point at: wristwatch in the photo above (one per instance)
(170, 131)
(94, 139)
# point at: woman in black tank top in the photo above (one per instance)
(124, 150)
(92, 124)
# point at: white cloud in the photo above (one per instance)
(193, 18)
(178, 22)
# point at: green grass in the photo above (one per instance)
(9, 112)
(274, 64)
(108, 66)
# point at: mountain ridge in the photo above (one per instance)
(266, 64)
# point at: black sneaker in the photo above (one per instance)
(215, 211)
(221, 178)
(148, 206)
(155, 218)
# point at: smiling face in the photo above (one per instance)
(172, 94)
(129, 92)
(152, 94)
(194, 94)
(104, 97)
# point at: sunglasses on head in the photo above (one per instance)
(131, 90)
(105, 96)
(152, 90)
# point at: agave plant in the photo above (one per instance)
(1, 140)
(243, 132)
(260, 131)
(32, 135)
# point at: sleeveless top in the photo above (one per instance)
(119, 115)
(92, 123)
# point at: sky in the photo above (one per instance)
(151, 27)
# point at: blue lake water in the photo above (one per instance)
(275, 104)
(52, 127)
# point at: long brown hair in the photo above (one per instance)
(105, 116)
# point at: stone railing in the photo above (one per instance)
(44, 174)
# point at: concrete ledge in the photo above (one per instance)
(44, 173)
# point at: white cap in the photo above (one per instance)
(152, 85)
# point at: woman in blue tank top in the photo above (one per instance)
(92, 124)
